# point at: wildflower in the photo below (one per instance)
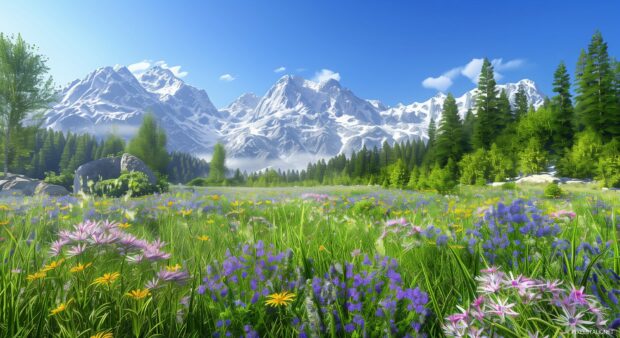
(173, 276)
(501, 308)
(60, 308)
(280, 299)
(36, 275)
(4, 223)
(102, 335)
(186, 212)
(76, 250)
(573, 321)
(107, 278)
(138, 294)
(204, 238)
(124, 225)
(322, 248)
(173, 268)
(53, 265)
(80, 267)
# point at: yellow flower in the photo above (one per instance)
(186, 212)
(53, 265)
(322, 248)
(215, 197)
(173, 268)
(107, 278)
(4, 207)
(204, 238)
(124, 225)
(60, 308)
(4, 222)
(36, 275)
(210, 221)
(102, 335)
(280, 299)
(138, 294)
(80, 267)
(170, 203)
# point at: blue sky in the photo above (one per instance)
(380, 49)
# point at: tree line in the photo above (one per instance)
(579, 136)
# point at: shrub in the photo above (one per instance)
(133, 183)
(553, 190)
(64, 179)
(441, 180)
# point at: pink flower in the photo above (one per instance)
(502, 308)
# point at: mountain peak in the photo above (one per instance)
(160, 80)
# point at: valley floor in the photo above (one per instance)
(311, 261)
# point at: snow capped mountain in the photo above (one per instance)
(296, 121)
(113, 100)
(415, 117)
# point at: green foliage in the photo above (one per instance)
(149, 144)
(562, 115)
(25, 87)
(486, 107)
(64, 179)
(553, 190)
(184, 167)
(582, 160)
(475, 168)
(217, 169)
(509, 186)
(521, 104)
(112, 146)
(441, 180)
(449, 144)
(133, 183)
(398, 174)
(533, 158)
(598, 106)
(608, 170)
(198, 182)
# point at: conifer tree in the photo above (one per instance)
(521, 104)
(450, 133)
(217, 169)
(486, 108)
(562, 110)
(149, 144)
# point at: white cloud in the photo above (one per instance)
(227, 78)
(471, 71)
(325, 75)
(441, 83)
(279, 69)
(140, 67)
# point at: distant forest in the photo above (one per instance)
(579, 135)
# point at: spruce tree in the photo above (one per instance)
(597, 99)
(450, 133)
(217, 170)
(521, 104)
(486, 108)
(504, 112)
(562, 110)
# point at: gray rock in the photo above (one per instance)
(20, 185)
(108, 168)
(538, 179)
(44, 188)
(131, 163)
(95, 171)
(497, 184)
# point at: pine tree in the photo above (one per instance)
(149, 144)
(486, 108)
(449, 136)
(562, 110)
(597, 99)
(432, 131)
(504, 112)
(112, 146)
(468, 130)
(521, 104)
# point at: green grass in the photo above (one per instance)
(319, 235)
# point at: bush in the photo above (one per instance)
(608, 171)
(64, 179)
(441, 180)
(553, 190)
(133, 183)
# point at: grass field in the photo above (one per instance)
(310, 262)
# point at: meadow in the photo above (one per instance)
(311, 262)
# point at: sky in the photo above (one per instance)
(393, 51)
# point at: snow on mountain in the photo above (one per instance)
(113, 100)
(296, 121)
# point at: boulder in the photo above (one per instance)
(44, 188)
(497, 184)
(108, 168)
(95, 171)
(19, 184)
(131, 163)
(538, 179)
